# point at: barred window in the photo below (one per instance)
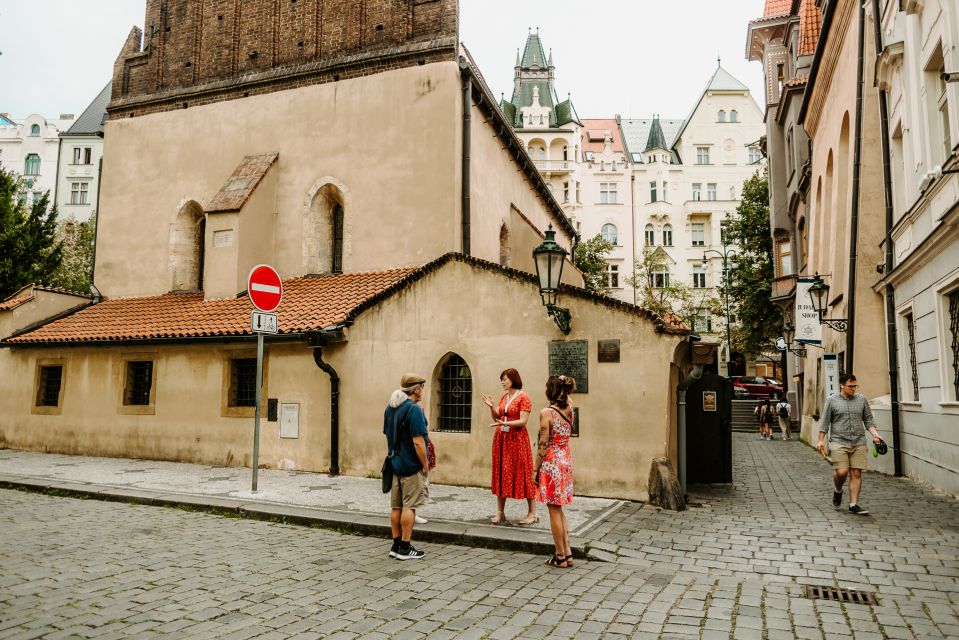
(48, 391)
(456, 395)
(337, 266)
(139, 383)
(954, 328)
(243, 382)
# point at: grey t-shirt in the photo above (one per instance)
(848, 419)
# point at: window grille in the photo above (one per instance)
(911, 330)
(954, 327)
(139, 383)
(243, 382)
(49, 392)
(456, 395)
(337, 266)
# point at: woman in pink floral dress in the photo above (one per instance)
(553, 470)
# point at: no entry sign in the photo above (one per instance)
(265, 287)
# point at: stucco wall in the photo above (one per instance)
(44, 305)
(392, 139)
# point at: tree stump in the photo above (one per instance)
(664, 488)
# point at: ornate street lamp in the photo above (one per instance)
(789, 333)
(548, 258)
(819, 295)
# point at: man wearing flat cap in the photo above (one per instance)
(404, 425)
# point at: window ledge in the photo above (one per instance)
(950, 407)
(136, 410)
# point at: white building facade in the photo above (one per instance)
(81, 148)
(30, 148)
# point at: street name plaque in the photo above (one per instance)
(570, 358)
(607, 350)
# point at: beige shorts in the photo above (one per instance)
(410, 492)
(846, 457)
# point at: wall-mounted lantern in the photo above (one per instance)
(548, 258)
(819, 295)
(789, 333)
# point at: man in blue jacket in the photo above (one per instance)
(404, 425)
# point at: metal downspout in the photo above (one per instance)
(695, 374)
(467, 123)
(891, 337)
(632, 197)
(854, 209)
(334, 410)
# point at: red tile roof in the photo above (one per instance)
(594, 135)
(15, 301)
(241, 184)
(27, 293)
(796, 81)
(810, 24)
(309, 303)
(777, 7)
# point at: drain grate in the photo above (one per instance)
(835, 594)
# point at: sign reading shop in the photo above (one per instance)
(808, 329)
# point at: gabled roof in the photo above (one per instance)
(28, 293)
(310, 303)
(636, 135)
(240, 186)
(93, 118)
(594, 135)
(566, 113)
(533, 54)
(721, 81)
(776, 7)
(810, 24)
(656, 138)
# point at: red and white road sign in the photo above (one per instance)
(265, 287)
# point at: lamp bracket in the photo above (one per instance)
(836, 324)
(561, 316)
(799, 351)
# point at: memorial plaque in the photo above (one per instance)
(569, 358)
(608, 350)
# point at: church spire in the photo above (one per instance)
(656, 138)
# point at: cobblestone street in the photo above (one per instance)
(732, 566)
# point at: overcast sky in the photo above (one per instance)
(631, 57)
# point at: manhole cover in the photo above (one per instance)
(835, 594)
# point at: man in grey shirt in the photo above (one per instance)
(846, 417)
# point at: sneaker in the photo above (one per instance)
(409, 554)
(394, 551)
(856, 509)
(836, 498)
(419, 520)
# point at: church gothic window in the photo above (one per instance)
(187, 239)
(326, 231)
(455, 395)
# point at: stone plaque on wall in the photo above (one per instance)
(608, 350)
(569, 358)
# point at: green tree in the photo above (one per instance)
(662, 294)
(590, 258)
(74, 271)
(750, 280)
(29, 250)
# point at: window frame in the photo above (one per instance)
(612, 275)
(702, 153)
(711, 191)
(35, 130)
(443, 420)
(697, 228)
(123, 382)
(699, 277)
(615, 235)
(667, 240)
(697, 188)
(660, 278)
(27, 164)
(227, 408)
(79, 192)
(608, 193)
(649, 235)
(42, 365)
(654, 191)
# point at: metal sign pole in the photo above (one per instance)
(259, 392)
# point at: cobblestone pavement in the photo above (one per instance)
(730, 568)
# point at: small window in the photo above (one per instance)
(755, 156)
(711, 191)
(242, 382)
(139, 382)
(77, 155)
(784, 249)
(652, 192)
(337, 262)
(612, 276)
(660, 279)
(48, 389)
(650, 235)
(35, 131)
(734, 116)
(699, 234)
(31, 165)
(566, 192)
(722, 116)
(702, 155)
(87, 155)
(667, 235)
(455, 395)
(699, 277)
(697, 190)
(79, 193)
(609, 233)
(607, 192)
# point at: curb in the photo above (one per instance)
(364, 524)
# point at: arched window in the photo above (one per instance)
(336, 250)
(31, 165)
(35, 131)
(650, 235)
(326, 229)
(609, 233)
(455, 395)
(734, 116)
(667, 235)
(722, 116)
(504, 246)
(187, 238)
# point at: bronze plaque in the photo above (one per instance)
(608, 350)
(569, 358)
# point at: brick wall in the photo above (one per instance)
(200, 51)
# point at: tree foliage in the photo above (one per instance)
(590, 258)
(74, 271)
(671, 296)
(29, 250)
(750, 280)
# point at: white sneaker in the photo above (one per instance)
(419, 520)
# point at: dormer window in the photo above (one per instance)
(35, 131)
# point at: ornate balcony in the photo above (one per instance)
(554, 166)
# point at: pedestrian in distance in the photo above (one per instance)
(783, 409)
(512, 455)
(766, 418)
(553, 471)
(405, 428)
(758, 412)
(846, 417)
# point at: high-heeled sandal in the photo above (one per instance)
(558, 562)
(528, 520)
(498, 519)
(569, 560)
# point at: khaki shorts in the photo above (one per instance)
(410, 492)
(847, 457)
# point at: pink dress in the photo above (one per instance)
(556, 473)
(512, 456)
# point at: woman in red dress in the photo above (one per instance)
(554, 467)
(512, 455)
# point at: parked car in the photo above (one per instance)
(757, 387)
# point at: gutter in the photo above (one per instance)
(318, 340)
(892, 346)
(817, 59)
(283, 337)
(856, 189)
(467, 141)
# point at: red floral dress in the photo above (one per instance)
(556, 471)
(512, 455)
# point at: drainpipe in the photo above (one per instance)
(854, 210)
(891, 338)
(467, 123)
(695, 374)
(334, 410)
(632, 197)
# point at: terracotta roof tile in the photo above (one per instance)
(241, 184)
(594, 135)
(14, 302)
(309, 303)
(796, 81)
(777, 7)
(810, 24)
